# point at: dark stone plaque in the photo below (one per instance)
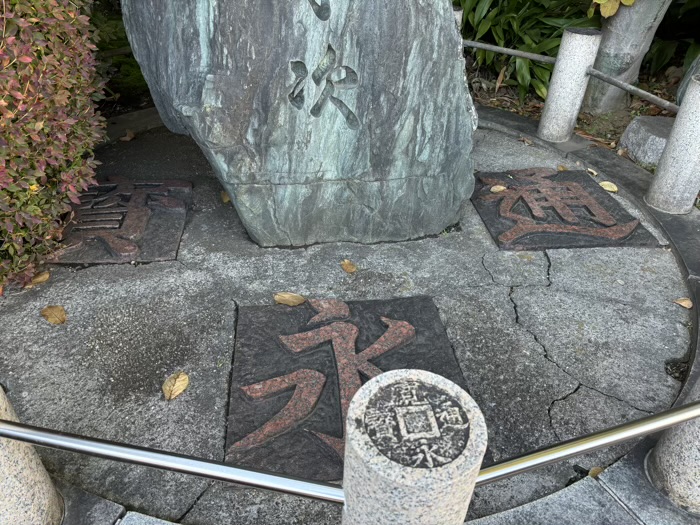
(543, 209)
(417, 425)
(124, 221)
(295, 371)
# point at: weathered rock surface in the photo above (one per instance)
(325, 120)
(645, 139)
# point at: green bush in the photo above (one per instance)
(48, 126)
(535, 26)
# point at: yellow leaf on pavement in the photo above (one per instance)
(175, 385)
(289, 299)
(685, 302)
(609, 186)
(498, 189)
(348, 266)
(54, 314)
(628, 2)
(225, 198)
(561, 167)
(595, 472)
(40, 278)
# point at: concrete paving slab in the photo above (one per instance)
(101, 373)
(616, 348)
(628, 482)
(518, 268)
(233, 505)
(83, 508)
(584, 503)
(134, 518)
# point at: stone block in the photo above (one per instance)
(325, 121)
(645, 139)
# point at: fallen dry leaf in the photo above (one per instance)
(593, 172)
(289, 299)
(526, 141)
(348, 266)
(684, 302)
(622, 152)
(54, 314)
(225, 197)
(130, 135)
(39, 279)
(561, 167)
(595, 472)
(498, 189)
(609, 186)
(175, 385)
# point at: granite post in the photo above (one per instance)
(27, 494)
(674, 464)
(677, 181)
(567, 87)
(415, 442)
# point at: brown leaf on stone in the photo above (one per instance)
(39, 279)
(289, 299)
(685, 302)
(609, 186)
(498, 189)
(595, 472)
(526, 141)
(175, 385)
(54, 314)
(561, 167)
(348, 266)
(129, 136)
(225, 197)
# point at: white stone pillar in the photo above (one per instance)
(568, 84)
(677, 180)
(674, 464)
(413, 449)
(27, 494)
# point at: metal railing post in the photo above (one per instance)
(567, 87)
(413, 447)
(27, 494)
(674, 464)
(677, 181)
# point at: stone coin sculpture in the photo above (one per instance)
(414, 446)
(325, 120)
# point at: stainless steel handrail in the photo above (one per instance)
(327, 492)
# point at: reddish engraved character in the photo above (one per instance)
(117, 214)
(309, 384)
(536, 190)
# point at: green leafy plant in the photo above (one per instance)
(535, 26)
(48, 126)
(676, 37)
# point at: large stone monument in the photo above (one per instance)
(325, 120)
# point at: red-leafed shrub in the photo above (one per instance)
(48, 125)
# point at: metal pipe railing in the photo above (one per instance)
(658, 101)
(510, 52)
(326, 492)
(629, 88)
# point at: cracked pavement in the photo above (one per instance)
(552, 344)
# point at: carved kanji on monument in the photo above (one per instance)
(293, 385)
(543, 208)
